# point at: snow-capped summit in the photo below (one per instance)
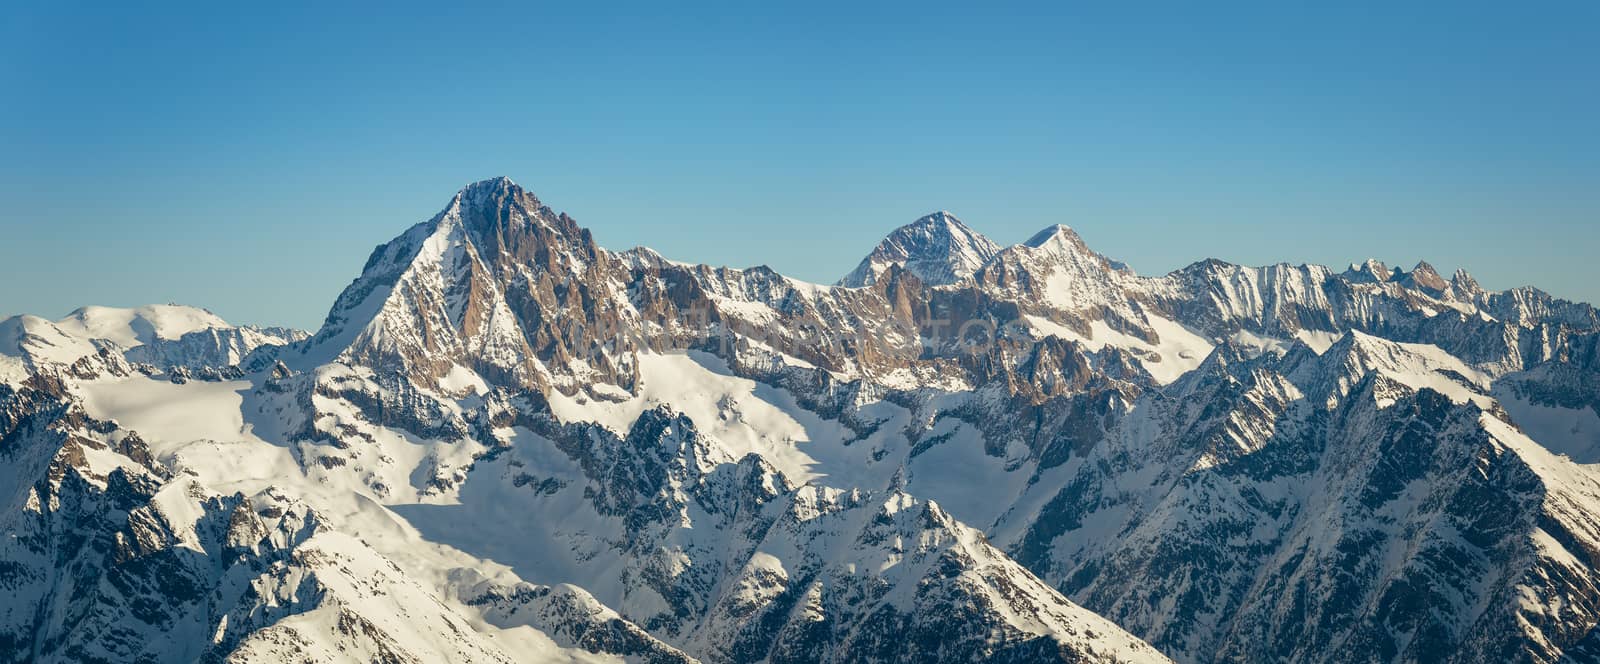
(38, 340)
(138, 325)
(938, 248)
(1055, 268)
(1061, 241)
(490, 186)
(162, 336)
(1057, 237)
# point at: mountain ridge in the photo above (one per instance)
(1048, 458)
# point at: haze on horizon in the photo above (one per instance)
(247, 160)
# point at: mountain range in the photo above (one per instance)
(506, 443)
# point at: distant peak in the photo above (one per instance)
(939, 217)
(1423, 276)
(491, 188)
(937, 247)
(498, 204)
(1064, 244)
(1464, 283)
(1054, 233)
(941, 223)
(497, 182)
(1370, 270)
(1061, 239)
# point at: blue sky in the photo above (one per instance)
(247, 159)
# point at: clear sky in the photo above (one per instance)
(246, 157)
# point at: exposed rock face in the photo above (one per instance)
(962, 452)
(498, 284)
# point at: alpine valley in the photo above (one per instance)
(508, 444)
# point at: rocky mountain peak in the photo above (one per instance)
(1371, 270)
(1061, 241)
(497, 284)
(1427, 279)
(1465, 284)
(490, 187)
(938, 248)
(496, 208)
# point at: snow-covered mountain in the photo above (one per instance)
(938, 248)
(159, 338)
(508, 443)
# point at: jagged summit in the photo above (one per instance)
(493, 189)
(491, 193)
(495, 283)
(497, 206)
(496, 182)
(938, 248)
(1371, 270)
(1426, 278)
(1463, 282)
